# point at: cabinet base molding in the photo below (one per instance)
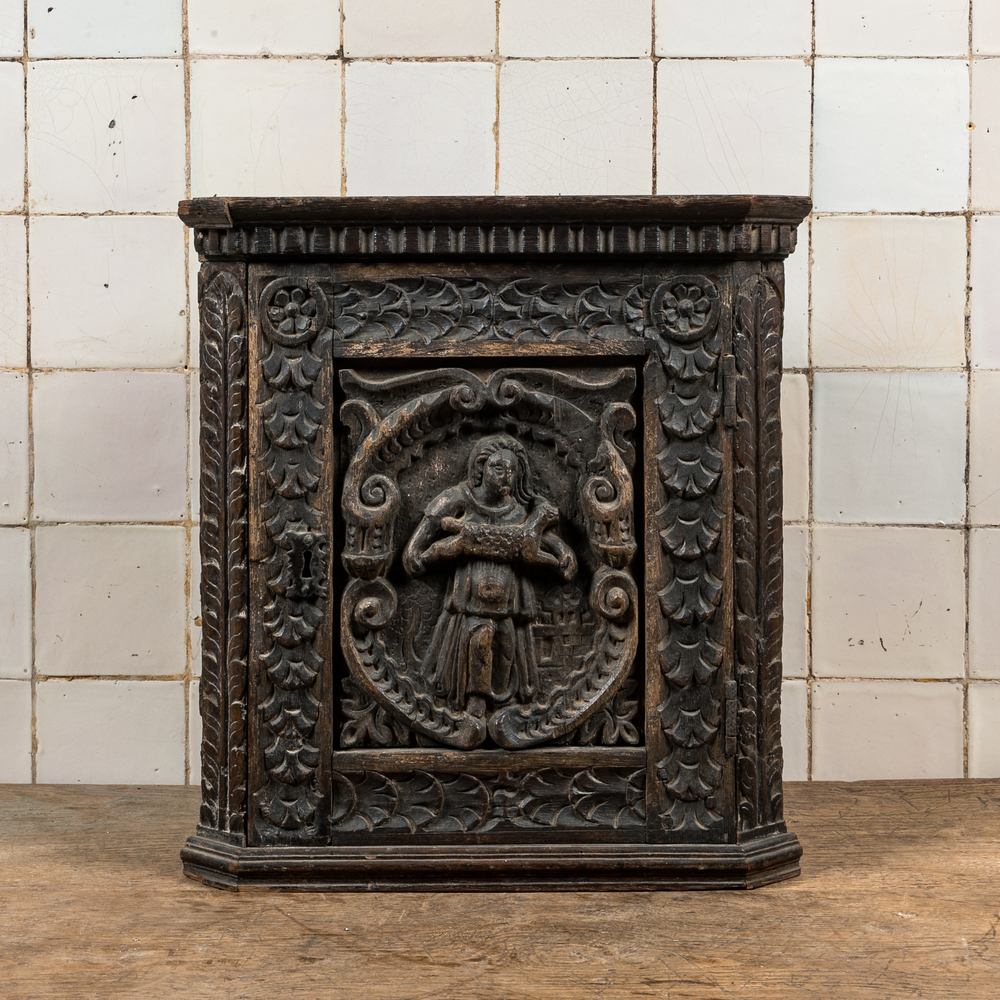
(494, 867)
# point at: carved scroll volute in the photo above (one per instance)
(291, 482)
(223, 533)
(757, 529)
(687, 618)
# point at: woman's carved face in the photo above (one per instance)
(499, 473)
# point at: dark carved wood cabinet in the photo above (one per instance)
(491, 542)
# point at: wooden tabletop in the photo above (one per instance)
(898, 898)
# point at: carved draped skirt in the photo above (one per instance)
(490, 606)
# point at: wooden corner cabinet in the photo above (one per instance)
(491, 542)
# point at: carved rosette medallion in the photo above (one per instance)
(488, 543)
(685, 383)
(291, 409)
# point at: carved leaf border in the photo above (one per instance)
(757, 537)
(420, 802)
(291, 409)
(223, 540)
(683, 327)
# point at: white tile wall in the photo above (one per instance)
(888, 602)
(194, 734)
(13, 291)
(986, 29)
(109, 600)
(984, 600)
(733, 28)
(888, 292)
(794, 734)
(430, 28)
(256, 27)
(11, 28)
(13, 447)
(984, 747)
(106, 135)
(795, 341)
(107, 292)
(15, 603)
(986, 134)
(984, 304)
(265, 127)
(732, 127)
(12, 151)
(109, 28)
(576, 127)
(547, 28)
(795, 446)
(879, 119)
(892, 27)
(886, 729)
(420, 128)
(877, 435)
(110, 732)
(795, 639)
(15, 727)
(984, 448)
(12, 123)
(110, 446)
(890, 135)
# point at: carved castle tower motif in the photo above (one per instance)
(491, 542)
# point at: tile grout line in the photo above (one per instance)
(325, 56)
(809, 407)
(654, 181)
(496, 118)
(343, 107)
(967, 533)
(32, 540)
(188, 556)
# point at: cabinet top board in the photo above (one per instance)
(742, 226)
(226, 213)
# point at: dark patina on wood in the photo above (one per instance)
(491, 542)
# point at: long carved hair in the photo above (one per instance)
(490, 445)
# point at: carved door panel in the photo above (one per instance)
(489, 537)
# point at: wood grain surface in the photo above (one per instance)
(898, 898)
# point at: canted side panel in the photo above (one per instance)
(688, 576)
(223, 533)
(757, 325)
(291, 470)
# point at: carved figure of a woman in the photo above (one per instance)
(495, 530)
